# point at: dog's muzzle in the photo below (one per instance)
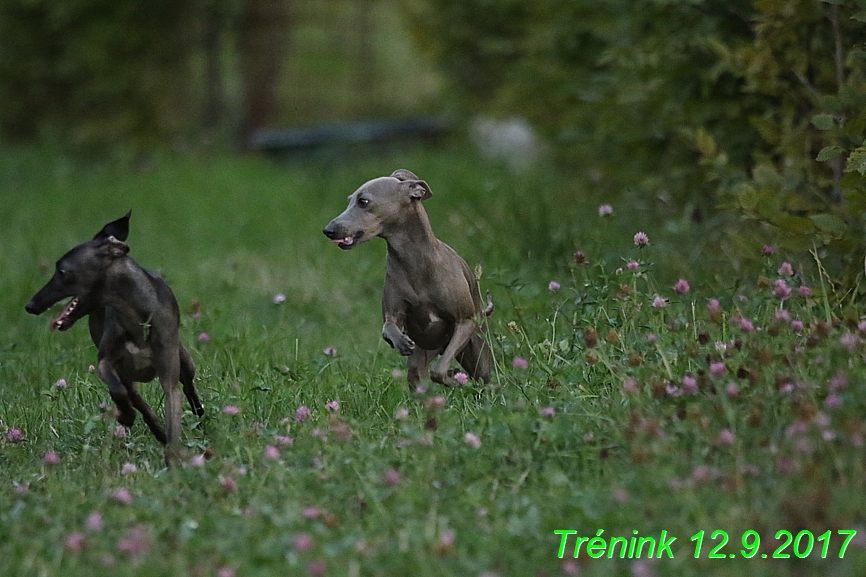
(338, 235)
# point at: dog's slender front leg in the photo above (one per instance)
(173, 414)
(173, 419)
(463, 331)
(416, 366)
(119, 394)
(397, 338)
(146, 412)
(167, 365)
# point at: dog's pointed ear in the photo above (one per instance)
(417, 188)
(403, 174)
(114, 248)
(119, 229)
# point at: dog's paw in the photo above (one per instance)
(443, 378)
(398, 339)
(175, 456)
(126, 419)
(405, 346)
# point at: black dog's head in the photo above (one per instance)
(80, 274)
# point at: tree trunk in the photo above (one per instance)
(214, 104)
(263, 37)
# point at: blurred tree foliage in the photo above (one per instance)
(97, 75)
(87, 71)
(805, 177)
(616, 86)
(758, 106)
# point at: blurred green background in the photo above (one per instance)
(741, 121)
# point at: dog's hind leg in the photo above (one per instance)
(463, 332)
(118, 392)
(187, 374)
(475, 359)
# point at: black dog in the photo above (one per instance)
(134, 320)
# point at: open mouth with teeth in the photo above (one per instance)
(63, 321)
(349, 241)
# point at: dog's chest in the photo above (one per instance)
(428, 328)
(425, 319)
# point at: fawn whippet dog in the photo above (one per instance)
(431, 303)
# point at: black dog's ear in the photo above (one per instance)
(119, 229)
(417, 188)
(113, 248)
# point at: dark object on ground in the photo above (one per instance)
(312, 137)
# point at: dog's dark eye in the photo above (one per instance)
(363, 201)
(61, 273)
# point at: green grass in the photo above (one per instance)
(388, 485)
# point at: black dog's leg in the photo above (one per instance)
(165, 346)
(118, 392)
(187, 374)
(146, 412)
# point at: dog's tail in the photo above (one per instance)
(489, 310)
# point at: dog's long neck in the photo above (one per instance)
(412, 243)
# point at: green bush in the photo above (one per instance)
(757, 106)
(805, 182)
(88, 72)
(615, 87)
